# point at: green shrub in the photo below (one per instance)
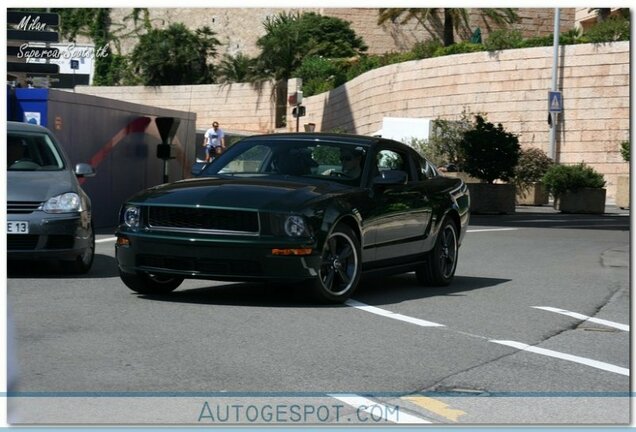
(458, 48)
(503, 39)
(426, 149)
(536, 41)
(532, 165)
(423, 50)
(561, 178)
(625, 151)
(610, 30)
(445, 141)
(489, 152)
(361, 65)
(320, 75)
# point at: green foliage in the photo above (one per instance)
(327, 155)
(625, 153)
(320, 74)
(74, 22)
(458, 48)
(426, 149)
(489, 152)
(423, 50)
(453, 19)
(290, 38)
(561, 178)
(503, 39)
(236, 69)
(609, 30)
(536, 41)
(175, 56)
(444, 146)
(532, 165)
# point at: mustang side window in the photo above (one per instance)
(426, 169)
(392, 160)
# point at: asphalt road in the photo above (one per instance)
(509, 342)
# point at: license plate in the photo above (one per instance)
(17, 227)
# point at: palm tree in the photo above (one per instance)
(454, 18)
(602, 14)
(236, 69)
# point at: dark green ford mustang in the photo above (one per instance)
(314, 209)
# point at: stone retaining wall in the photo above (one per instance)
(510, 87)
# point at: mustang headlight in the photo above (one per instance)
(131, 216)
(296, 226)
(66, 203)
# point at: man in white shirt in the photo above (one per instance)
(214, 142)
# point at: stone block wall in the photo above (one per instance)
(510, 87)
(238, 29)
(237, 107)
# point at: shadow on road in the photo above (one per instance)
(554, 220)
(104, 266)
(379, 291)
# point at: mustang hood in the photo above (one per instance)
(39, 185)
(248, 193)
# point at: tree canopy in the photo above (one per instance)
(289, 38)
(454, 19)
(175, 56)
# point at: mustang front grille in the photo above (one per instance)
(223, 267)
(203, 219)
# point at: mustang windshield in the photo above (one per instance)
(326, 160)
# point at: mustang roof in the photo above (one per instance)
(313, 136)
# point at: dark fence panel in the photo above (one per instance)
(117, 138)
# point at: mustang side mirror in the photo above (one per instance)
(84, 170)
(391, 177)
(197, 168)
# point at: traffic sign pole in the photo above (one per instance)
(555, 67)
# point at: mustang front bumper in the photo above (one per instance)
(228, 258)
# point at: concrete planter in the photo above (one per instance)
(534, 195)
(462, 175)
(492, 198)
(622, 192)
(586, 200)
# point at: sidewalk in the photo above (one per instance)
(610, 209)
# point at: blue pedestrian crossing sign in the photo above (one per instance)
(555, 102)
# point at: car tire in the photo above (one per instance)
(84, 261)
(340, 268)
(146, 283)
(441, 261)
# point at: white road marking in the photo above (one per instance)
(608, 219)
(584, 317)
(491, 229)
(388, 314)
(576, 359)
(110, 239)
(377, 410)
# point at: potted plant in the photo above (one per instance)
(490, 154)
(576, 188)
(532, 166)
(622, 181)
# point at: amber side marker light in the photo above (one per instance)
(302, 251)
(123, 241)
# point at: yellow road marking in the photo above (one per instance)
(435, 406)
